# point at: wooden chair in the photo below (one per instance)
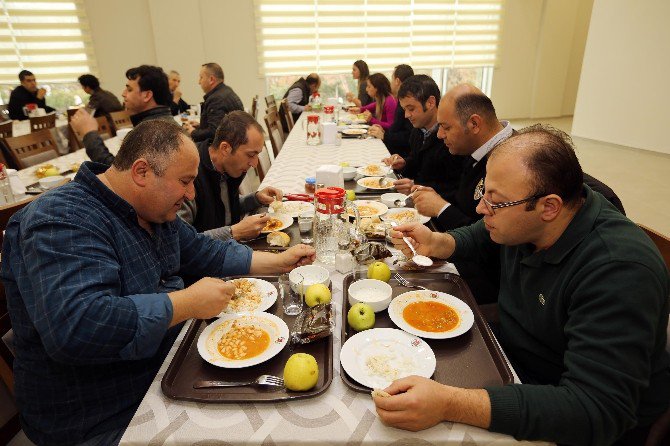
(254, 107)
(121, 120)
(70, 113)
(43, 122)
(274, 130)
(264, 163)
(6, 129)
(31, 149)
(286, 116)
(270, 101)
(4, 113)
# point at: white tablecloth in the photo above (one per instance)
(338, 416)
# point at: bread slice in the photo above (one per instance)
(380, 393)
(278, 239)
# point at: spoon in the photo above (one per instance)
(403, 201)
(419, 259)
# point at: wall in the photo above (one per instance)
(623, 97)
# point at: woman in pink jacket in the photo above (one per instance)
(382, 111)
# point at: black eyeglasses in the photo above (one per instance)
(493, 206)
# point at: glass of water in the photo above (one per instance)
(291, 300)
(305, 221)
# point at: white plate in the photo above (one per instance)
(354, 132)
(380, 208)
(286, 221)
(359, 126)
(373, 170)
(210, 336)
(294, 208)
(389, 216)
(268, 297)
(398, 304)
(404, 354)
(388, 184)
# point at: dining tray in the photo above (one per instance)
(187, 366)
(472, 360)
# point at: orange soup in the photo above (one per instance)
(244, 342)
(431, 316)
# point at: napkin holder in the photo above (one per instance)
(330, 175)
(329, 133)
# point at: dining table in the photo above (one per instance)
(338, 415)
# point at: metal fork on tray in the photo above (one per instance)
(404, 282)
(263, 380)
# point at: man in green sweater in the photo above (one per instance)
(583, 307)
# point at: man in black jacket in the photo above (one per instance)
(177, 104)
(219, 100)
(146, 97)
(396, 138)
(218, 208)
(102, 101)
(24, 94)
(428, 163)
(297, 95)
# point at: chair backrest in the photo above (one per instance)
(254, 107)
(264, 163)
(71, 112)
(270, 101)
(285, 116)
(31, 149)
(6, 129)
(120, 120)
(4, 113)
(274, 130)
(38, 123)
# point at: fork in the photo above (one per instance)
(402, 281)
(263, 380)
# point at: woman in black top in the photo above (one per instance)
(360, 72)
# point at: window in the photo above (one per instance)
(49, 38)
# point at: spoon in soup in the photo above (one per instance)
(419, 259)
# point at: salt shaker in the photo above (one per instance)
(344, 260)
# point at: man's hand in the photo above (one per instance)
(268, 195)
(396, 162)
(250, 227)
(350, 96)
(203, 300)
(403, 185)
(40, 93)
(82, 122)
(367, 116)
(354, 110)
(376, 131)
(307, 108)
(419, 235)
(188, 128)
(427, 201)
(296, 256)
(176, 95)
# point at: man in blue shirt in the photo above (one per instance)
(92, 275)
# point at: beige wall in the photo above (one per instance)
(623, 97)
(540, 52)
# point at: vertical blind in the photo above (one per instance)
(50, 38)
(327, 36)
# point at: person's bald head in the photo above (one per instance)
(468, 100)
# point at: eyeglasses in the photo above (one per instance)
(493, 206)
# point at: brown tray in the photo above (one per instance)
(472, 360)
(187, 367)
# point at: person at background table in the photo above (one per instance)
(102, 101)
(219, 100)
(146, 97)
(92, 272)
(218, 208)
(24, 94)
(382, 111)
(583, 307)
(360, 72)
(429, 163)
(298, 94)
(396, 138)
(177, 105)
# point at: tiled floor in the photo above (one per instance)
(635, 175)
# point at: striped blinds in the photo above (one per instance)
(50, 38)
(327, 36)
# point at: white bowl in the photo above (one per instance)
(373, 292)
(389, 199)
(349, 173)
(51, 182)
(312, 274)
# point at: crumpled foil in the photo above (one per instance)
(313, 323)
(371, 251)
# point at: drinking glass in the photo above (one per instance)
(291, 301)
(305, 221)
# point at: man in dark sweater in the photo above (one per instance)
(102, 101)
(219, 100)
(146, 97)
(297, 95)
(396, 138)
(24, 94)
(428, 163)
(583, 307)
(218, 208)
(177, 104)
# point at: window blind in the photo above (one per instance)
(327, 36)
(50, 38)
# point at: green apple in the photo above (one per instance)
(379, 271)
(301, 372)
(344, 164)
(51, 172)
(361, 317)
(351, 195)
(317, 293)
